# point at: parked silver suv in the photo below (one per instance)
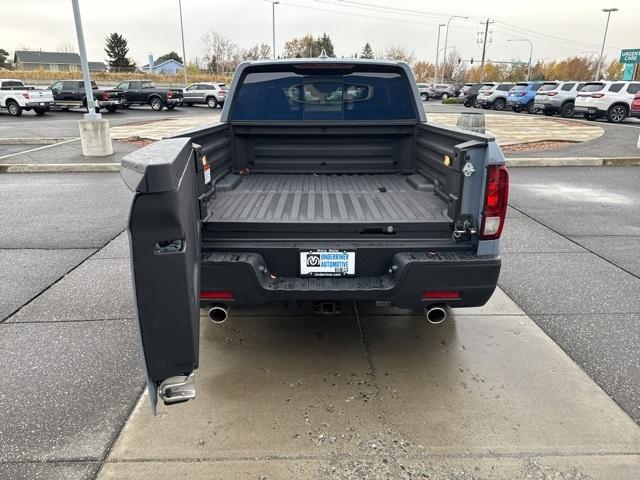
(557, 97)
(211, 94)
(495, 96)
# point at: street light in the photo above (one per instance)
(435, 72)
(273, 24)
(530, 53)
(608, 12)
(446, 40)
(184, 56)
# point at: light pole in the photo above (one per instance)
(446, 40)
(530, 53)
(94, 131)
(273, 24)
(435, 72)
(184, 56)
(608, 12)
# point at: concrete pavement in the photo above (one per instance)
(371, 394)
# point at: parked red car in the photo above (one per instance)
(635, 106)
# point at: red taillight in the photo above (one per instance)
(552, 94)
(440, 295)
(215, 295)
(495, 202)
(597, 95)
(169, 94)
(104, 96)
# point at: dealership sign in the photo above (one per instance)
(630, 55)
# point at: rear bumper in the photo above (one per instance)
(591, 110)
(635, 113)
(110, 103)
(45, 103)
(516, 103)
(247, 277)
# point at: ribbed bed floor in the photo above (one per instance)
(325, 199)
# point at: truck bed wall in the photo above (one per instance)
(326, 149)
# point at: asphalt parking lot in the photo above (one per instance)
(383, 394)
(542, 383)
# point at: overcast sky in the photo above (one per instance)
(556, 28)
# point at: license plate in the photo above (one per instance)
(327, 263)
(42, 104)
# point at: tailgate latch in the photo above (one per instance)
(463, 228)
(177, 389)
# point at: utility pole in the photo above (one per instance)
(184, 56)
(608, 12)
(484, 47)
(530, 53)
(435, 72)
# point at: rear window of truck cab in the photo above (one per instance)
(318, 92)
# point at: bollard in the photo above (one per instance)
(95, 138)
(473, 121)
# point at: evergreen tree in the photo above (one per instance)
(169, 56)
(3, 55)
(325, 43)
(117, 50)
(367, 51)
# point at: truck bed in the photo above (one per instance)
(350, 199)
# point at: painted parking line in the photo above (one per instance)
(39, 148)
(302, 396)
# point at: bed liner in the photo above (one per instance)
(300, 198)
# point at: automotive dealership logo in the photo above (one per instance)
(313, 260)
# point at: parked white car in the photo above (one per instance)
(211, 94)
(15, 96)
(606, 99)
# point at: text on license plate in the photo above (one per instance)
(327, 263)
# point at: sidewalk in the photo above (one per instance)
(382, 394)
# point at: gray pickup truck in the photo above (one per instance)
(322, 183)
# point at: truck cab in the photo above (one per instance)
(322, 183)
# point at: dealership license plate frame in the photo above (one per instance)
(307, 270)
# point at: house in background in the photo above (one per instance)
(54, 61)
(167, 67)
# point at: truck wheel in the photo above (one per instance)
(212, 102)
(40, 110)
(499, 104)
(15, 110)
(156, 104)
(617, 114)
(424, 97)
(112, 108)
(516, 109)
(444, 96)
(566, 110)
(590, 116)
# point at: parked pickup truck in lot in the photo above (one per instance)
(322, 183)
(71, 94)
(15, 96)
(144, 92)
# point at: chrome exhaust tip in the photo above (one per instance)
(435, 314)
(218, 313)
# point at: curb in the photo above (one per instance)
(33, 141)
(58, 167)
(573, 162)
